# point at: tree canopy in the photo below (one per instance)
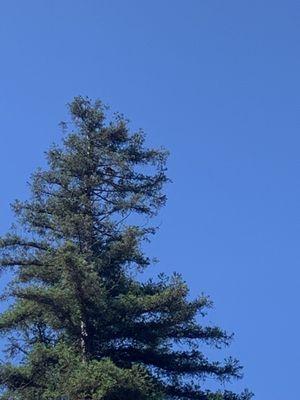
(80, 323)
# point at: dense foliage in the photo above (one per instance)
(80, 324)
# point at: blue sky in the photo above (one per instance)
(217, 83)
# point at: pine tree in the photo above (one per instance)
(80, 323)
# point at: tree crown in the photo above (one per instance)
(80, 323)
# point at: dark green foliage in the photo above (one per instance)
(80, 323)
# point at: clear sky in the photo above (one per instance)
(217, 83)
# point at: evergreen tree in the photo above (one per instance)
(80, 324)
